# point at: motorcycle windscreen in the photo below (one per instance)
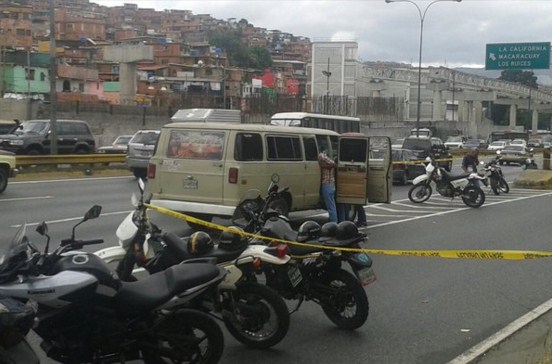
(352, 170)
(380, 170)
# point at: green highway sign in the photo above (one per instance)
(517, 56)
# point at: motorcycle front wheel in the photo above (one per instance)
(346, 302)
(420, 193)
(473, 196)
(502, 185)
(187, 336)
(259, 316)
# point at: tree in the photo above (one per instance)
(526, 78)
(240, 55)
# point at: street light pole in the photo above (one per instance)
(328, 74)
(422, 18)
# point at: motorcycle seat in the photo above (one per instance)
(152, 291)
(452, 177)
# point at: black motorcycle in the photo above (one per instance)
(87, 315)
(529, 162)
(16, 320)
(448, 185)
(495, 176)
(317, 273)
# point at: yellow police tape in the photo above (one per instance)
(422, 161)
(450, 254)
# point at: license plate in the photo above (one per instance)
(294, 275)
(366, 276)
(190, 184)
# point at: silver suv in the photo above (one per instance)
(140, 150)
(33, 137)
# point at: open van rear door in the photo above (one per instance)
(363, 169)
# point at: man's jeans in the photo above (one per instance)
(328, 194)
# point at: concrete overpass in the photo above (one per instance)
(469, 90)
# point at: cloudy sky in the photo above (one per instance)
(454, 35)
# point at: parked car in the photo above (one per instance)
(454, 142)
(522, 142)
(513, 154)
(119, 145)
(424, 146)
(498, 145)
(535, 143)
(397, 143)
(406, 165)
(547, 144)
(474, 144)
(140, 150)
(7, 126)
(7, 168)
(33, 137)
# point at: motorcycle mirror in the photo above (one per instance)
(142, 185)
(93, 213)
(275, 178)
(42, 228)
(134, 200)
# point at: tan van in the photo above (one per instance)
(206, 169)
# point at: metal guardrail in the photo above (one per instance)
(29, 160)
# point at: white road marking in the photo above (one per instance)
(26, 198)
(493, 340)
(68, 180)
(72, 219)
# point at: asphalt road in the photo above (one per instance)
(422, 310)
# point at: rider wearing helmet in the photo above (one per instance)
(200, 243)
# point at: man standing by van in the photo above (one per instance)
(327, 167)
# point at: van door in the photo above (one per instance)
(363, 170)
(193, 168)
(380, 170)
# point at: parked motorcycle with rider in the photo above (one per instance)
(253, 313)
(87, 315)
(465, 186)
(318, 256)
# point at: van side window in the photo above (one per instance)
(248, 147)
(188, 144)
(311, 153)
(284, 148)
(353, 150)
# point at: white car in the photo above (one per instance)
(519, 142)
(498, 145)
(454, 142)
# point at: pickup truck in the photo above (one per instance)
(7, 168)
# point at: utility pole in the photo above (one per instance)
(53, 76)
(29, 103)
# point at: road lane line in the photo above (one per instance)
(69, 180)
(26, 198)
(72, 219)
(495, 339)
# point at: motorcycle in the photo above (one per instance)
(464, 185)
(87, 315)
(494, 174)
(530, 162)
(16, 320)
(317, 273)
(253, 313)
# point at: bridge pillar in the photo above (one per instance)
(437, 107)
(513, 116)
(535, 121)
